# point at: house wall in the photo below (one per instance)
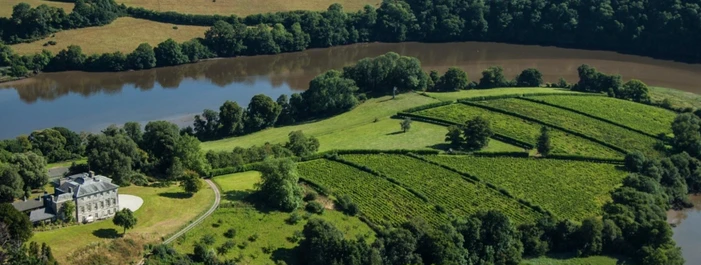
(98, 206)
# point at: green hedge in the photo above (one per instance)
(502, 154)
(242, 168)
(428, 106)
(586, 159)
(482, 98)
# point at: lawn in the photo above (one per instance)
(273, 233)
(523, 130)
(164, 212)
(593, 260)
(570, 189)
(445, 188)
(608, 133)
(361, 119)
(649, 119)
(66, 163)
(244, 7)
(124, 35)
(7, 5)
(452, 96)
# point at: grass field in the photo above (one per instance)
(593, 260)
(446, 188)
(649, 119)
(124, 35)
(270, 227)
(523, 130)
(359, 121)
(603, 131)
(379, 200)
(452, 96)
(244, 7)
(66, 163)
(6, 5)
(570, 189)
(165, 210)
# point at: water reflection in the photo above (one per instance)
(686, 230)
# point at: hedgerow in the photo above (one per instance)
(458, 194)
(570, 189)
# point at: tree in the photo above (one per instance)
(530, 77)
(114, 156)
(225, 39)
(635, 90)
(635, 161)
(262, 113)
(278, 186)
(490, 238)
(18, 224)
(71, 58)
(454, 136)
(68, 211)
(32, 168)
(543, 145)
(400, 247)
(686, 134)
(133, 130)
(230, 118)
(493, 77)
(169, 53)
(454, 79)
(11, 184)
(125, 218)
(207, 124)
(330, 93)
(191, 182)
(591, 239)
(159, 142)
(188, 151)
(259, 40)
(406, 124)
(50, 143)
(195, 50)
(301, 145)
(142, 57)
(476, 133)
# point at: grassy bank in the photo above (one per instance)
(452, 96)
(124, 35)
(243, 7)
(678, 98)
(165, 210)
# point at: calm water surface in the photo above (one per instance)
(91, 101)
(687, 232)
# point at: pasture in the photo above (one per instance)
(471, 93)
(124, 35)
(7, 5)
(243, 7)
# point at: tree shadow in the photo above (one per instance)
(237, 195)
(569, 255)
(176, 195)
(288, 255)
(395, 133)
(106, 233)
(441, 146)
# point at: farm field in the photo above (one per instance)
(123, 34)
(603, 131)
(448, 189)
(271, 227)
(165, 210)
(649, 119)
(570, 189)
(243, 7)
(379, 200)
(677, 98)
(523, 130)
(361, 119)
(7, 5)
(471, 93)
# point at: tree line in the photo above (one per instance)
(638, 27)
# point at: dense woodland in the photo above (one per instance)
(639, 27)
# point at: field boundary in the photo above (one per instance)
(572, 93)
(588, 115)
(614, 147)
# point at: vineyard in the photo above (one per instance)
(649, 119)
(600, 130)
(443, 187)
(523, 130)
(379, 200)
(570, 189)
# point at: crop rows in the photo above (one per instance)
(379, 200)
(649, 119)
(569, 189)
(597, 129)
(523, 130)
(444, 187)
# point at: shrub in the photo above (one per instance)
(315, 207)
(243, 245)
(294, 218)
(175, 27)
(231, 233)
(208, 239)
(346, 204)
(253, 237)
(310, 196)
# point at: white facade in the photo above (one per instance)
(97, 206)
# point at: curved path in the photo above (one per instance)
(217, 199)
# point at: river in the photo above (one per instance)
(91, 101)
(686, 231)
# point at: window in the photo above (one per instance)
(82, 209)
(102, 204)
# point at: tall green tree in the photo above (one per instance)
(405, 124)
(11, 184)
(143, 57)
(17, 223)
(191, 182)
(476, 133)
(68, 212)
(262, 112)
(454, 79)
(278, 186)
(301, 145)
(224, 39)
(169, 53)
(635, 90)
(493, 77)
(530, 77)
(125, 218)
(133, 130)
(330, 93)
(454, 136)
(230, 118)
(51, 144)
(543, 144)
(490, 238)
(32, 168)
(114, 156)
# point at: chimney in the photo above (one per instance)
(24, 199)
(70, 190)
(92, 174)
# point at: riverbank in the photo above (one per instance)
(686, 223)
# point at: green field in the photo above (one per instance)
(570, 189)
(379, 200)
(678, 98)
(452, 96)
(448, 189)
(603, 131)
(165, 211)
(523, 130)
(593, 260)
(649, 119)
(270, 226)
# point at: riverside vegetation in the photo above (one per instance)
(430, 206)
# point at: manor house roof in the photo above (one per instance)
(80, 185)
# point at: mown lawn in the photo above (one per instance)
(452, 96)
(7, 5)
(593, 260)
(244, 7)
(273, 233)
(523, 130)
(165, 210)
(570, 189)
(649, 119)
(124, 35)
(348, 128)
